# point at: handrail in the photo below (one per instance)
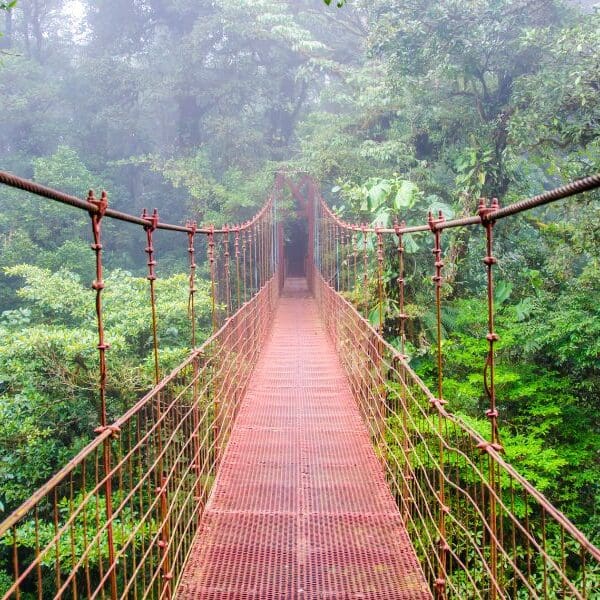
(11, 180)
(476, 437)
(564, 191)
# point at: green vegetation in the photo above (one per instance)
(396, 106)
(461, 100)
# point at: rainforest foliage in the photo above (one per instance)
(395, 106)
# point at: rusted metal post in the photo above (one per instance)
(98, 285)
(380, 279)
(401, 288)
(244, 273)
(440, 582)
(365, 274)
(255, 258)
(213, 288)
(192, 226)
(337, 273)
(355, 258)
(163, 543)
(238, 286)
(406, 474)
(227, 273)
(485, 213)
(161, 486)
(150, 228)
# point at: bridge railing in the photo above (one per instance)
(480, 529)
(119, 519)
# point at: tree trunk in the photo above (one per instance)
(37, 30)
(188, 126)
(26, 19)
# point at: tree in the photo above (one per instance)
(463, 58)
(557, 115)
(49, 371)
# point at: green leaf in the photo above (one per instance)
(375, 313)
(382, 218)
(410, 245)
(407, 195)
(379, 193)
(523, 309)
(502, 292)
(436, 205)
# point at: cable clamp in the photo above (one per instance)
(115, 430)
(100, 206)
(152, 220)
(485, 212)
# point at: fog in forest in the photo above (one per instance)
(395, 107)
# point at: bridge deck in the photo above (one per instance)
(300, 508)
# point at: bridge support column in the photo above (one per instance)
(437, 405)
(489, 260)
(98, 285)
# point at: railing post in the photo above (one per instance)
(406, 474)
(96, 215)
(337, 273)
(354, 259)
(150, 229)
(161, 480)
(486, 214)
(213, 289)
(365, 274)
(163, 543)
(237, 268)
(379, 347)
(244, 261)
(227, 273)
(192, 227)
(440, 582)
(255, 260)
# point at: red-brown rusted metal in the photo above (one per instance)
(151, 221)
(152, 548)
(457, 495)
(120, 520)
(402, 316)
(443, 509)
(191, 226)
(98, 285)
(411, 441)
(485, 212)
(213, 289)
(301, 507)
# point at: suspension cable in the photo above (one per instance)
(573, 188)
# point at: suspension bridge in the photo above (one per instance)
(295, 453)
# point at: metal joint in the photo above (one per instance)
(433, 222)
(485, 446)
(486, 212)
(152, 220)
(115, 430)
(99, 206)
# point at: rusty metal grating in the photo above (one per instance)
(300, 507)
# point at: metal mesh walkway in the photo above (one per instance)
(300, 508)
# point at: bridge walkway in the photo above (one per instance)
(300, 507)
